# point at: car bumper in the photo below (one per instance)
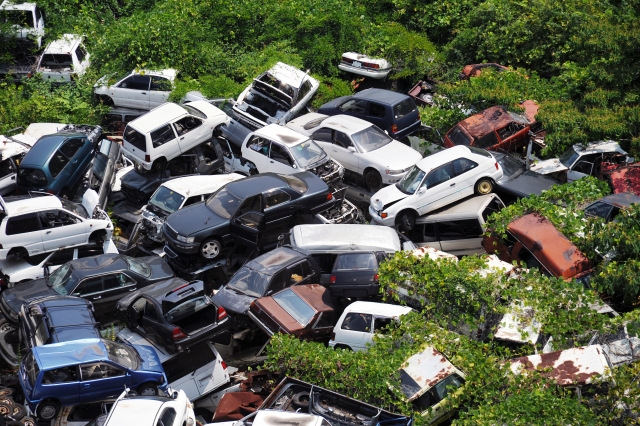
(407, 131)
(134, 158)
(377, 220)
(203, 335)
(366, 72)
(179, 246)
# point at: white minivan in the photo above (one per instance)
(64, 60)
(169, 130)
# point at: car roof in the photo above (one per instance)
(486, 121)
(622, 200)
(381, 95)
(139, 411)
(345, 237)
(555, 251)
(93, 264)
(467, 208)
(63, 45)
(426, 369)
(198, 185)
(290, 75)
(273, 261)
(600, 146)
(10, 5)
(158, 116)
(256, 184)
(70, 353)
(45, 146)
(279, 417)
(346, 123)
(26, 204)
(445, 156)
(383, 309)
(281, 134)
(170, 73)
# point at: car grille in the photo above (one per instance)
(170, 231)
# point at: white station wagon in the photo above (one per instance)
(434, 182)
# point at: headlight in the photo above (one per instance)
(185, 239)
(393, 172)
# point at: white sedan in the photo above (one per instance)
(361, 147)
(140, 89)
(435, 181)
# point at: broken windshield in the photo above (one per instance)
(569, 157)
(166, 199)
(249, 282)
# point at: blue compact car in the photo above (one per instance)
(56, 162)
(86, 370)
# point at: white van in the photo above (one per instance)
(64, 60)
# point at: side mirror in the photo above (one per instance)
(46, 269)
(294, 166)
(422, 190)
(352, 149)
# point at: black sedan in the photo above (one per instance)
(608, 207)
(252, 211)
(517, 182)
(174, 314)
(101, 279)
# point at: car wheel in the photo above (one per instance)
(159, 165)
(98, 237)
(210, 248)
(148, 389)
(373, 180)
(343, 347)
(28, 421)
(484, 186)
(106, 100)
(47, 410)
(406, 221)
(19, 411)
(18, 253)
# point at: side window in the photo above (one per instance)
(487, 140)
(438, 176)
(61, 256)
(427, 233)
(357, 322)
(299, 272)
(56, 218)
(259, 144)
(494, 206)
(162, 135)
(89, 286)
(275, 197)
(167, 418)
(341, 139)
(136, 82)
(71, 147)
(187, 124)
(379, 324)
(192, 200)
(325, 320)
(280, 154)
(81, 53)
(463, 165)
(23, 224)
(150, 311)
(278, 282)
(306, 88)
(450, 231)
(57, 163)
(6, 168)
(98, 371)
(251, 204)
(354, 106)
(60, 375)
(160, 84)
(376, 110)
(115, 281)
(322, 135)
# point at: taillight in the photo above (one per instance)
(178, 334)
(333, 336)
(332, 280)
(223, 364)
(347, 60)
(147, 158)
(370, 65)
(48, 191)
(375, 278)
(497, 166)
(394, 128)
(181, 287)
(329, 196)
(222, 314)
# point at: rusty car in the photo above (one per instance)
(474, 70)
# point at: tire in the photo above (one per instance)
(301, 400)
(106, 100)
(98, 237)
(210, 248)
(19, 411)
(343, 347)
(8, 392)
(406, 221)
(28, 421)
(159, 165)
(148, 389)
(6, 408)
(47, 410)
(484, 186)
(373, 180)
(18, 253)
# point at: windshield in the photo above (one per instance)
(77, 209)
(186, 308)
(249, 282)
(166, 199)
(138, 266)
(569, 157)
(31, 177)
(307, 153)
(410, 183)
(62, 280)
(510, 167)
(224, 203)
(370, 139)
(295, 306)
(122, 354)
(193, 111)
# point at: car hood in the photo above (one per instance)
(548, 166)
(232, 302)
(528, 183)
(136, 180)
(387, 195)
(14, 297)
(159, 268)
(150, 359)
(395, 156)
(193, 219)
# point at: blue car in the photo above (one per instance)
(57, 162)
(87, 370)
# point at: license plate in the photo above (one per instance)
(357, 64)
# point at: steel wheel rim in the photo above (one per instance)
(148, 391)
(210, 250)
(48, 412)
(484, 187)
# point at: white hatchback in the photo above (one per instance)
(169, 131)
(64, 60)
(40, 224)
(140, 89)
(435, 181)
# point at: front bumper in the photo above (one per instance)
(377, 220)
(181, 247)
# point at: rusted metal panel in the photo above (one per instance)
(571, 366)
(486, 121)
(426, 368)
(624, 179)
(236, 405)
(474, 70)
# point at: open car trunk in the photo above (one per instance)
(191, 315)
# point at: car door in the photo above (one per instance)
(7, 176)
(299, 273)
(132, 92)
(24, 231)
(248, 223)
(116, 285)
(164, 143)
(356, 330)
(278, 214)
(190, 132)
(280, 161)
(344, 148)
(152, 322)
(585, 166)
(62, 383)
(460, 237)
(322, 327)
(424, 235)
(257, 151)
(211, 375)
(101, 380)
(436, 189)
(377, 114)
(91, 289)
(61, 229)
(159, 92)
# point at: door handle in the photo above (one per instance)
(133, 289)
(271, 161)
(453, 184)
(97, 298)
(143, 93)
(87, 385)
(182, 138)
(48, 232)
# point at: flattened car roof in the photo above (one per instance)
(486, 121)
(273, 261)
(346, 237)
(70, 353)
(425, 369)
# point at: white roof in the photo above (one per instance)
(281, 134)
(519, 325)
(290, 75)
(279, 418)
(575, 365)
(384, 64)
(427, 369)
(34, 204)
(63, 45)
(468, 208)
(346, 123)
(340, 237)
(14, 5)
(375, 308)
(445, 156)
(139, 412)
(170, 73)
(298, 124)
(600, 146)
(433, 254)
(198, 185)
(158, 116)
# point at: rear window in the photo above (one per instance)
(31, 178)
(356, 261)
(135, 138)
(56, 60)
(294, 183)
(458, 136)
(404, 108)
(295, 306)
(480, 151)
(57, 163)
(22, 224)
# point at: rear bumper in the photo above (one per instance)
(407, 131)
(366, 72)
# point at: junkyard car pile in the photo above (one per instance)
(235, 221)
